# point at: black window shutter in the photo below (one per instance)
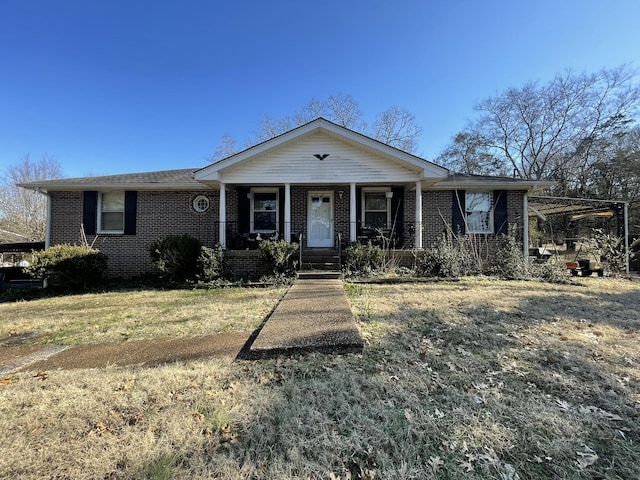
(130, 209)
(458, 209)
(397, 212)
(500, 220)
(90, 212)
(359, 210)
(281, 213)
(244, 210)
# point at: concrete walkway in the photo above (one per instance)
(314, 315)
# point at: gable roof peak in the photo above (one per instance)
(321, 124)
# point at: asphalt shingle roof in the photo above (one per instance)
(164, 178)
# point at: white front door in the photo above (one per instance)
(320, 219)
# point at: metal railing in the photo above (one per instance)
(401, 235)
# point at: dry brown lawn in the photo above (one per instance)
(118, 316)
(471, 379)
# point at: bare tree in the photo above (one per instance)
(554, 130)
(467, 153)
(270, 127)
(312, 110)
(343, 110)
(24, 212)
(395, 126)
(226, 148)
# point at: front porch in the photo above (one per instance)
(320, 216)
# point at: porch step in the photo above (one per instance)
(320, 259)
(319, 274)
(321, 266)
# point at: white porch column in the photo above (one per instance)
(418, 242)
(352, 213)
(287, 212)
(222, 217)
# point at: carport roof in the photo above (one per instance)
(550, 206)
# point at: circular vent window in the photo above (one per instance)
(201, 203)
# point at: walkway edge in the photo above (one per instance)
(32, 358)
(313, 316)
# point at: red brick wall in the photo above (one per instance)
(171, 213)
(514, 211)
(159, 214)
(437, 209)
(246, 264)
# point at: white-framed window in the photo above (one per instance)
(111, 212)
(264, 210)
(376, 208)
(479, 212)
(201, 203)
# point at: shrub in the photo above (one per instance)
(611, 249)
(211, 264)
(508, 261)
(550, 271)
(279, 255)
(451, 258)
(363, 258)
(69, 267)
(176, 256)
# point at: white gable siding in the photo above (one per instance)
(295, 163)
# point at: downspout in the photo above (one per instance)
(525, 230)
(626, 237)
(47, 232)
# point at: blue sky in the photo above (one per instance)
(121, 86)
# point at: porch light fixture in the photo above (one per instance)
(250, 195)
(321, 156)
(388, 194)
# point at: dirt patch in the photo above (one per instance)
(18, 338)
(12, 354)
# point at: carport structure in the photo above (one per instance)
(578, 208)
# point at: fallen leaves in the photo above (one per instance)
(435, 463)
(101, 428)
(586, 458)
(589, 410)
(600, 412)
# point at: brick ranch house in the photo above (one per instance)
(320, 184)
